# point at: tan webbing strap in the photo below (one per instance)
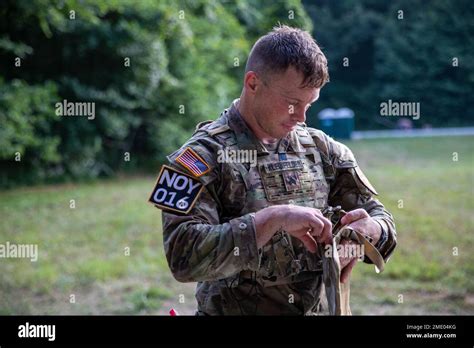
(337, 293)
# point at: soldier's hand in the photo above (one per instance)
(304, 223)
(347, 263)
(363, 223)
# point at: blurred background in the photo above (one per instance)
(77, 186)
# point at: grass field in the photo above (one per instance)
(105, 256)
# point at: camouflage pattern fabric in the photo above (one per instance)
(214, 242)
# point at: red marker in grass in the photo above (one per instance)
(173, 313)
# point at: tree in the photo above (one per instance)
(374, 56)
(153, 70)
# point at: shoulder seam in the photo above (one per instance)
(221, 129)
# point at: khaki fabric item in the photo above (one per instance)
(338, 293)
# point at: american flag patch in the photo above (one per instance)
(193, 162)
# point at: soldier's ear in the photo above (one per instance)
(251, 81)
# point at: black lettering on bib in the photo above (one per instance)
(175, 191)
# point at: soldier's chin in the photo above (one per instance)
(286, 130)
(279, 133)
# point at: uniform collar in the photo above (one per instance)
(245, 137)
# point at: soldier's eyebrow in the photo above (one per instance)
(287, 94)
(299, 100)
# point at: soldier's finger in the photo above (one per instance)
(324, 232)
(346, 271)
(343, 261)
(316, 226)
(327, 232)
(354, 215)
(308, 242)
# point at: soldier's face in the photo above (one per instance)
(281, 103)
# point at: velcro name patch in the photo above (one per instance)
(175, 191)
(283, 165)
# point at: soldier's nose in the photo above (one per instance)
(300, 116)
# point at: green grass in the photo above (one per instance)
(436, 216)
(82, 250)
(82, 247)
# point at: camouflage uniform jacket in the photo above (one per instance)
(213, 242)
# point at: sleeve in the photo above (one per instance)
(352, 190)
(198, 245)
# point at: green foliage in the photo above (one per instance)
(415, 57)
(154, 69)
(27, 117)
(27, 139)
(140, 62)
(406, 60)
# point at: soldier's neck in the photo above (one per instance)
(252, 123)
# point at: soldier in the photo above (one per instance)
(251, 235)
